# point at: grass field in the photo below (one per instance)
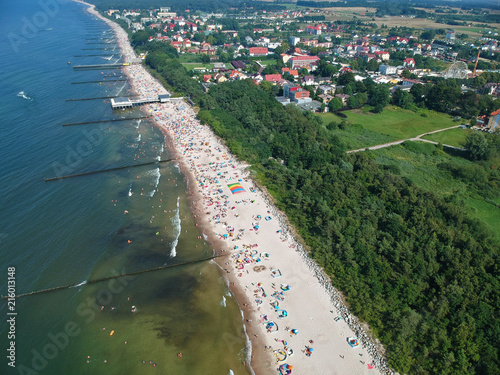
(268, 62)
(190, 66)
(390, 125)
(453, 137)
(419, 163)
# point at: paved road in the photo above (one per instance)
(417, 138)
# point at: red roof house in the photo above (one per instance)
(258, 51)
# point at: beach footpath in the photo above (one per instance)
(294, 318)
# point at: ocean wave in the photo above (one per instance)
(138, 138)
(155, 173)
(248, 345)
(230, 372)
(130, 190)
(121, 88)
(176, 222)
(223, 302)
(82, 283)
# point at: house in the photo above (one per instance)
(387, 69)
(273, 77)
(343, 97)
(258, 51)
(314, 30)
(207, 77)
(327, 89)
(310, 43)
(313, 106)
(494, 121)
(237, 64)
(231, 33)
(383, 55)
(409, 62)
(322, 80)
(450, 34)
(293, 72)
(176, 45)
(294, 40)
(296, 93)
(219, 78)
(301, 61)
(409, 82)
(285, 57)
(325, 98)
(308, 80)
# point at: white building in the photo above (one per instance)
(294, 40)
(387, 69)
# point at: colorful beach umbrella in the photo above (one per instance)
(236, 188)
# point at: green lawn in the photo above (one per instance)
(479, 30)
(267, 62)
(190, 66)
(390, 125)
(452, 137)
(400, 123)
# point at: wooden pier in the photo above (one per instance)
(108, 120)
(103, 81)
(116, 276)
(100, 66)
(96, 49)
(126, 103)
(98, 98)
(102, 55)
(106, 170)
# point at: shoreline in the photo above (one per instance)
(265, 256)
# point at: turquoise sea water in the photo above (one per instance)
(69, 231)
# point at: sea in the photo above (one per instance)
(179, 320)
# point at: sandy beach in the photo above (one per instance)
(292, 313)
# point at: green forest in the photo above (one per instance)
(411, 263)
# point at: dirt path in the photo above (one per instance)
(417, 138)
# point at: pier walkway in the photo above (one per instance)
(126, 103)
